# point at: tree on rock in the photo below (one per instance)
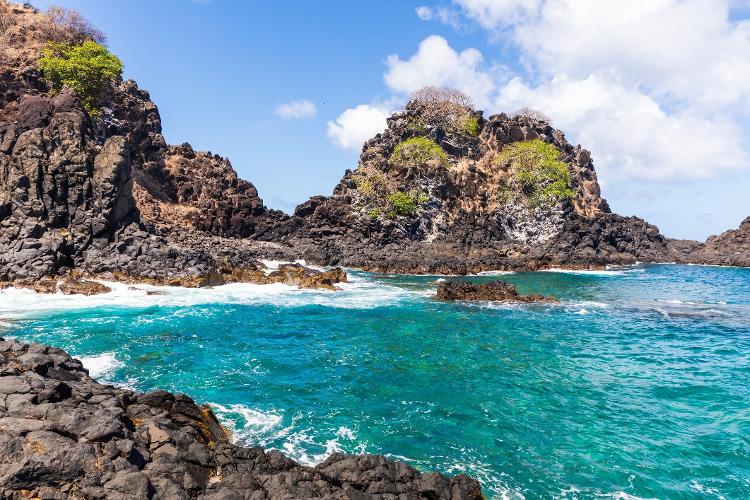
(87, 68)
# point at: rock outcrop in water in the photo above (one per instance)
(495, 291)
(63, 435)
(460, 204)
(730, 248)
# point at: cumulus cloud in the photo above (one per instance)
(686, 50)
(296, 110)
(437, 63)
(356, 125)
(629, 132)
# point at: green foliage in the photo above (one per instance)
(536, 167)
(469, 125)
(86, 67)
(371, 185)
(419, 150)
(374, 212)
(406, 203)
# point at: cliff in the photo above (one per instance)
(730, 248)
(66, 436)
(474, 200)
(106, 193)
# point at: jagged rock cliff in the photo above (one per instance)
(63, 435)
(730, 248)
(466, 208)
(106, 193)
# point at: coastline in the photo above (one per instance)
(99, 440)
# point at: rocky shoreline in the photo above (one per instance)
(64, 435)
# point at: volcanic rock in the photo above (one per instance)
(63, 435)
(498, 291)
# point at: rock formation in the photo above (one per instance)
(730, 248)
(465, 208)
(442, 189)
(497, 291)
(107, 193)
(63, 435)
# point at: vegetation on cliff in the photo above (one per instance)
(86, 67)
(537, 172)
(418, 151)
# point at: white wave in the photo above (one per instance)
(346, 433)
(255, 423)
(359, 293)
(589, 272)
(253, 427)
(100, 366)
(493, 273)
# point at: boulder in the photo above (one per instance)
(498, 291)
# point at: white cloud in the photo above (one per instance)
(296, 110)
(356, 125)
(492, 14)
(685, 50)
(630, 135)
(436, 63)
(424, 12)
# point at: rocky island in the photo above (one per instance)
(90, 191)
(443, 189)
(496, 291)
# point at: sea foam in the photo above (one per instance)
(359, 293)
(101, 366)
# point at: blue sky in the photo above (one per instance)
(288, 90)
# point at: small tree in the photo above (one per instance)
(442, 95)
(87, 68)
(75, 27)
(531, 114)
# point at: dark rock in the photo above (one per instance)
(78, 437)
(499, 291)
(730, 248)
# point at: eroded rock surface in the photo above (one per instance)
(730, 248)
(63, 435)
(465, 218)
(497, 291)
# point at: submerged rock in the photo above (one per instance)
(64, 435)
(498, 291)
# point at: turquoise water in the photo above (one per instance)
(637, 384)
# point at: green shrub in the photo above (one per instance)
(373, 188)
(419, 150)
(374, 212)
(86, 67)
(469, 125)
(406, 203)
(537, 169)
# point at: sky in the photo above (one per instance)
(657, 90)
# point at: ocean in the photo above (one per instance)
(636, 385)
